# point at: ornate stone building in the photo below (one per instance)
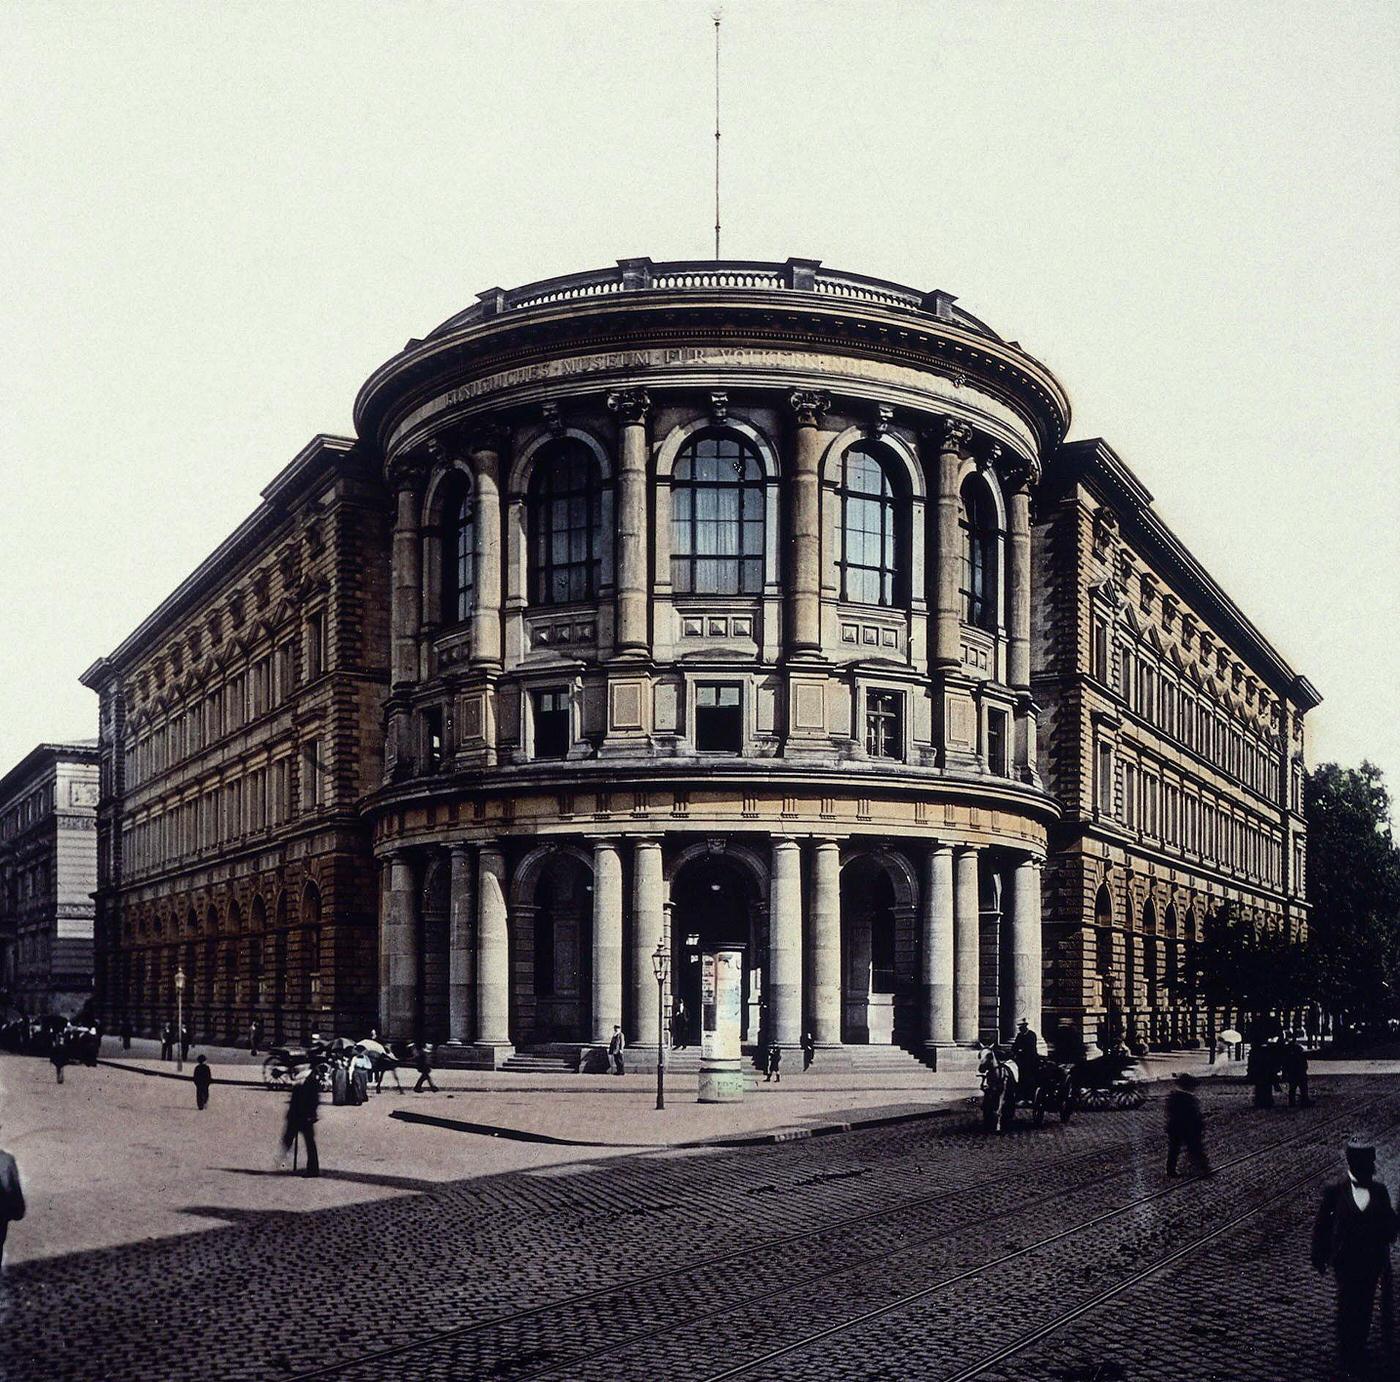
(239, 732)
(706, 617)
(48, 869)
(1174, 747)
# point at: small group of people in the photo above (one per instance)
(1276, 1062)
(170, 1034)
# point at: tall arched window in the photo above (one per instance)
(978, 521)
(565, 525)
(458, 537)
(870, 572)
(717, 504)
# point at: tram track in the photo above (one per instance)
(904, 1301)
(596, 1299)
(592, 1297)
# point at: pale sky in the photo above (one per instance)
(217, 219)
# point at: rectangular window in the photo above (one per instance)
(1105, 779)
(553, 733)
(262, 686)
(718, 727)
(1100, 651)
(315, 645)
(996, 742)
(286, 672)
(311, 771)
(884, 735)
(432, 739)
(1130, 796)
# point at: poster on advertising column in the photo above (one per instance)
(721, 990)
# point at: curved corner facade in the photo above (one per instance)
(694, 605)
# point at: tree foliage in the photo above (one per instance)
(1237, 964)
(1353, 884)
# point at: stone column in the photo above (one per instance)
(936, 957)
(492, 950)
(648, 927)
(967, 956)
(486, 448)
(631, 407)
(400, 945)
(784, 986)
(607, 940)
(406, 592)
(1018, 576)
(460, 966)
(1025, 944)
(824, 953)
(952, 439)
(386, 876)
(804, 634)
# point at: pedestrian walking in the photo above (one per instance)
(167, 1041)
(424, 1066)
(1261, 1071)
(11, 1199)
(809, 1050)
(1186, 1126)
(1352, 1234)
(680, 1027)
(301, 1121)
(126, 1035)
(1293, 1064)
(616, 1047)
(184, 1043)
(254, 1036)
(58, 1054)
(203, 1077)
(773, 1063)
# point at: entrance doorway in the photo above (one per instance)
(867, 955)
(713, 905)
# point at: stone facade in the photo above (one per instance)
(1175, 748)
(48, 870)
(239, 731)
(694, 604)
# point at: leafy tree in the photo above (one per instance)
(1236, 964)
(1353, 877)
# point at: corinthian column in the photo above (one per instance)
(952, 438)
(486, 447)
(824, 955)
(1020, 478)
(936, 959)
(1025, 944)
(967, 949)
(607, 940)
(400, 944)
(492, 950)
(804, 634)
(784, 987)
(459, 944)
(631, 407)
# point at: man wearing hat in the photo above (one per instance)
(1353, 1232)
(1185, 1125)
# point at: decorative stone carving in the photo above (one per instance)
(883, 417)
(953, 434)
(488, 435)
(630, 405)
(809, 406)
(553, 418)
(719, 406)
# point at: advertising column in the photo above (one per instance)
(721, 991)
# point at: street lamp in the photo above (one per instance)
(660, 964)
(179, 1018)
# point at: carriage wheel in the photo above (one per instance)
(1066, 1106)
(276, 1074)
(1038, 1107)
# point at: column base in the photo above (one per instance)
(493, 1054)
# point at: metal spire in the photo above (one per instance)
(717, 21)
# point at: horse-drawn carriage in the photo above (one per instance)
(1053, 1088)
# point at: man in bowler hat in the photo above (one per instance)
(1185, 1126)
(1352, 1234)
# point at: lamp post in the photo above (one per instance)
(660, 964)
(179, 1018)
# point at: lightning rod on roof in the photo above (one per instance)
(717, 20)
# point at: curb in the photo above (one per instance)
(172, 1074)
(822, 1129)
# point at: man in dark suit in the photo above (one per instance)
(1352, 1234)
(301, 1120)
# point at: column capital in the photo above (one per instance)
(939, 847)
(783, 840)
(407, 470)
(949, 434)
(630, 405)
(966, 849)
(1017, 471)
(460, 848)
(489, 436)
(809, 406)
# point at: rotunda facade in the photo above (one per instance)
(710, 625)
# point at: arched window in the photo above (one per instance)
(717, 504)
(978, 521)
(458, 537)
(565, 522)
(870, 573)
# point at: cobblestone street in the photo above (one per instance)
(922, 1249)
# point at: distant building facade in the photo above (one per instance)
(690, 605)
(48, 871)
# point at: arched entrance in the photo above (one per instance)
(714, 904)
(877, 949)
(563, 950)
